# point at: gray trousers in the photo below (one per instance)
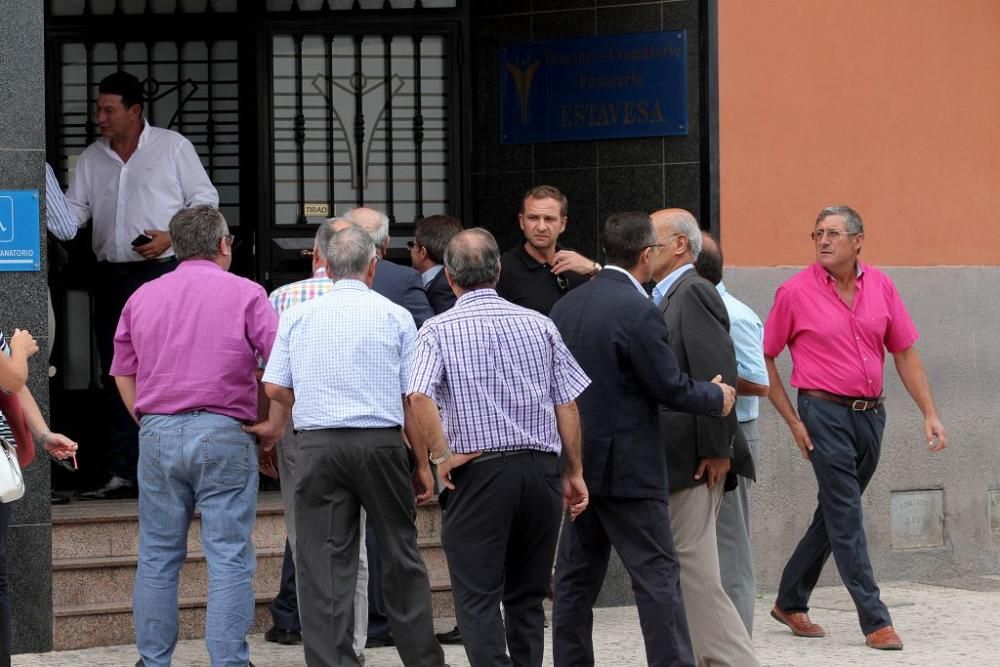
(338, 472)
(733, 535)
(288, 450)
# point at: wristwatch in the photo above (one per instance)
(438, 460)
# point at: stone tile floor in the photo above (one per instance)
(952, 623)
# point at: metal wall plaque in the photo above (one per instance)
(19, 231)
(632, 85)
(918, 519)
(316, 210)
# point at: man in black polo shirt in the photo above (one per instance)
(538, 272)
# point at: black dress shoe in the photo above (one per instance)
(380, 642)
(116, 489)
(453, 636)
(281, 636)
(57, 499)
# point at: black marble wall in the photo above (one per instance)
(598, 177)
(23, 305)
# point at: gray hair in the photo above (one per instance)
(325, 232)
(472, 259)
(683, 223)
(349, 252)
(852, 220)
(379, 232)
(195, 232)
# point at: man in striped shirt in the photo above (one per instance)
(506, 387)
(287, 628)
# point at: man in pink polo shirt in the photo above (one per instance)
(186, 357)
(837, 318)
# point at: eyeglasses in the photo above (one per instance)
(234, 242)
(833, 234)
(654, 246)
(562, 282)
(413, 244)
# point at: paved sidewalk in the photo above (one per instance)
(952, 624)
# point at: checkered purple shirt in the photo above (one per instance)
(496, 370)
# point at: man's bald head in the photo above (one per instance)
(472, 259)
(709, 262)
(374, 222)
(676, 221)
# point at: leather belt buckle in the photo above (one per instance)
(859, 405)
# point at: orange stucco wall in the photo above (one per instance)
(891, 106)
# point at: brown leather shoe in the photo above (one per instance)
(798, 622)
(884, 639)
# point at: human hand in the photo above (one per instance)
(801, 436)
(159, 245)
(267, 433)
(268, 462)
(728, 395)
(567, 260)
(715, 468)
(575, 497)
(933, 428)
(58, 445)
(450, 463)
(22, 341)
(423, 483)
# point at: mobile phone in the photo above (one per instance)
(141, 239)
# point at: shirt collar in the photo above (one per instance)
(721, 287)
(664, 285)
(635, 282)
(351, 284)
(431, 273)
(198, 263)
(824, 275)
(530, 261)
(477, 295)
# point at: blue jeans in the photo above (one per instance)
(195, 461)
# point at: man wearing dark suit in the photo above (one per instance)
(402, 286)
(427, 256)
(399, 284)
(702, 452)
(618, 337)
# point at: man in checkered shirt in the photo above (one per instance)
(506, 386)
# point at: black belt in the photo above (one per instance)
(492, 456)
(855, 403)
(122, 268)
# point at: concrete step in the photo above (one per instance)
(95, 551)
(78, 582)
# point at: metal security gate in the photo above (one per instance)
(299, 109)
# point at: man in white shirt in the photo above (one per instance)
(130, 182)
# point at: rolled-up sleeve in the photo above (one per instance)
(279, 366)
(428, 365)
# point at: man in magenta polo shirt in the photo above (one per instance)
(837, 318)
(186, 357)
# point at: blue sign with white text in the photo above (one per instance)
(19, 231)
(616, 86)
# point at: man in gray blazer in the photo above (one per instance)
(701, 452)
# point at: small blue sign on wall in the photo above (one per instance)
(616, 86)
(19, 231)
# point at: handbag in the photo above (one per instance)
(10, 406)
(11, 480)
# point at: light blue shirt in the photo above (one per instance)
(747, 332)
(664, 285)
(635, 282)
(429, 275)
(58, 218)
(347, 356)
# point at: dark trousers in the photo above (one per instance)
(6, 620)
(115, 284)
(846, 452)
(499, 532)
(639, 530)
(285, 607)
(378, 622)
(339, 471)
